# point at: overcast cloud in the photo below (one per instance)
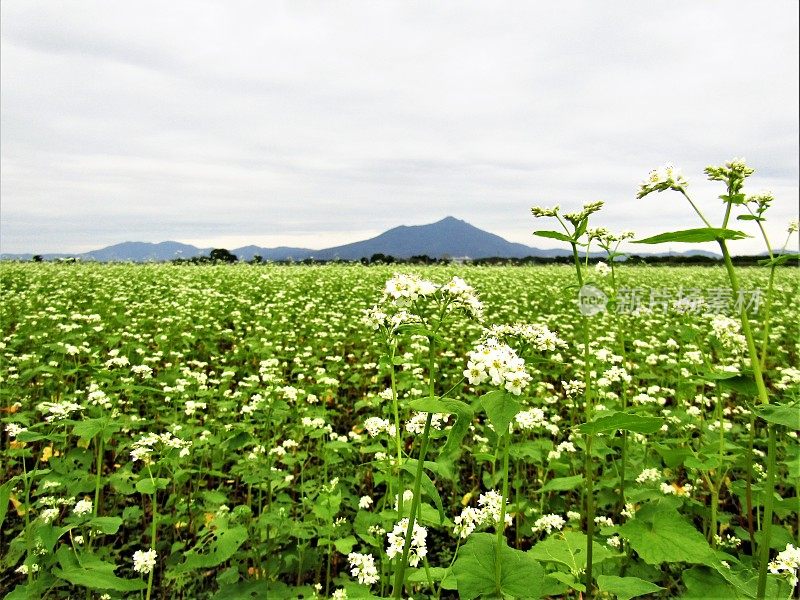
(318, 123)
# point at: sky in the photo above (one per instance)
(314, 124)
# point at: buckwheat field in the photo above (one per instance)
(344, 431)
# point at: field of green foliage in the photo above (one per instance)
(258, 431)
(265, 432)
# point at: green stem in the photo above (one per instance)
(766, 530)
(697, 210)
(589, 514)
(99, 465)
(749, 484)
(767, 314)
(452, 561)
(152, 541)
(398, 437)
(399, 576)
(400, 573)
(755, 363)
(588, 467)
(501, 525)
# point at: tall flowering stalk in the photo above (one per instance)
(414, 305)
(575, 226)
(610, 243)
(733, 174)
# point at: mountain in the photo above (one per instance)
(144, 252)
(449, 237)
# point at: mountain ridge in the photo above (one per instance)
(448, 237)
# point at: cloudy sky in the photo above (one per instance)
(318, 123)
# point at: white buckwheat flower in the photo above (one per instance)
(499, 364)
(788, 562)
(549, 523)
(144, 561)
(602, 269)
(648, 475)
(362, 567)
(396, 540)
(83, 507)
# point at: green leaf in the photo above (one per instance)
(749, 218)
(426, 486)
(149, 486)
(622, 421)
(345, 545)
(779, 260)
(569, 549)
(581, 228)
(785, 413)
(461, 410)
(89, 428)
(476, 568)
(744, 384)
(107, 525)
(553, 235)
(445, 575)
(501, 408)
(693, 236)
(626, 588)
(92, 573)
(673, 457)
(660, 534)
(562, 484)
(568, 579)
(224, 547)
(5, 495)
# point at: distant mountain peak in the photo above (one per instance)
(447, 237)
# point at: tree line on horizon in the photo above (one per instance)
(224, 256)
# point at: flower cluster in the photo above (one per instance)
(667, 177)
(648, 475)
(144, 447)
(675, 489)
(396, 540)
(573, 388)
(534, 418)
(58, 411)
(416, 424)
(787, 561)
(588, 209)
(403, 290)
(537, 335)
(602, 269)
(377, 318)
(13, 430)
(549, 523)
(375, 426)
(727, 331)
(82, 508)
(498, 363)
(144, 561)
(463, 296)
(733, 172)
(362, 567)
(489, 512)
(540, 211)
